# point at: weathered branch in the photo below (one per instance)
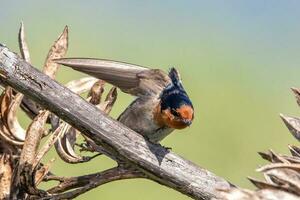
(155, 161)
(88, 182)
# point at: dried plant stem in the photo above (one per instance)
(88, 182)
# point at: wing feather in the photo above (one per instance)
(130, 78)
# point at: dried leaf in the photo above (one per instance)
(65, 148)
(295, 151)
(6, 172)
(6, 99)
(30, 108)
(23, 45)
(29, 151)
(262, 185)
(270, 194)
(33, 137)
(12, 121)
(96, 92)
(273, 157)
(4, 135)
(292, 159)
(293, 124)
(297, 94)
(58, 50)
(279, 165)
(238, 194)
(65, 143)
(287, 179)
(48, 144)
(81, 85)
(42, 172)
(264, 194)
(110, 100)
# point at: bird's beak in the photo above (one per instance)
(187, 122)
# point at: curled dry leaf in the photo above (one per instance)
(11, 130)
(67, 145)
(4, 135)
(12, 120)
(58, 50)
(65, 148)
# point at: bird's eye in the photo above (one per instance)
(175, 113)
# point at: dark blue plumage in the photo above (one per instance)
(174, 95)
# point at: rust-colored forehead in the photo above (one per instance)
(186, 112)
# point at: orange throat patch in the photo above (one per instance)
(166, 118)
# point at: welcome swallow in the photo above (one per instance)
(162, 104)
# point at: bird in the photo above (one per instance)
(161, 104)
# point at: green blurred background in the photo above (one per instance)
(237, 59)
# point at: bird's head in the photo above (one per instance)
(176, 109)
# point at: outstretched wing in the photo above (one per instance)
(130, 78)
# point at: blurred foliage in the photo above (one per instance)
(237, 60)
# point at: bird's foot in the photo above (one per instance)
(167, 148)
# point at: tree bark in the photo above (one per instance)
(158, 163)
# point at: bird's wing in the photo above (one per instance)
(130, 78)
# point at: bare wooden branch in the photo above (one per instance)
(158, 163)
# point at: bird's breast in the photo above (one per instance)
(140, 117)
